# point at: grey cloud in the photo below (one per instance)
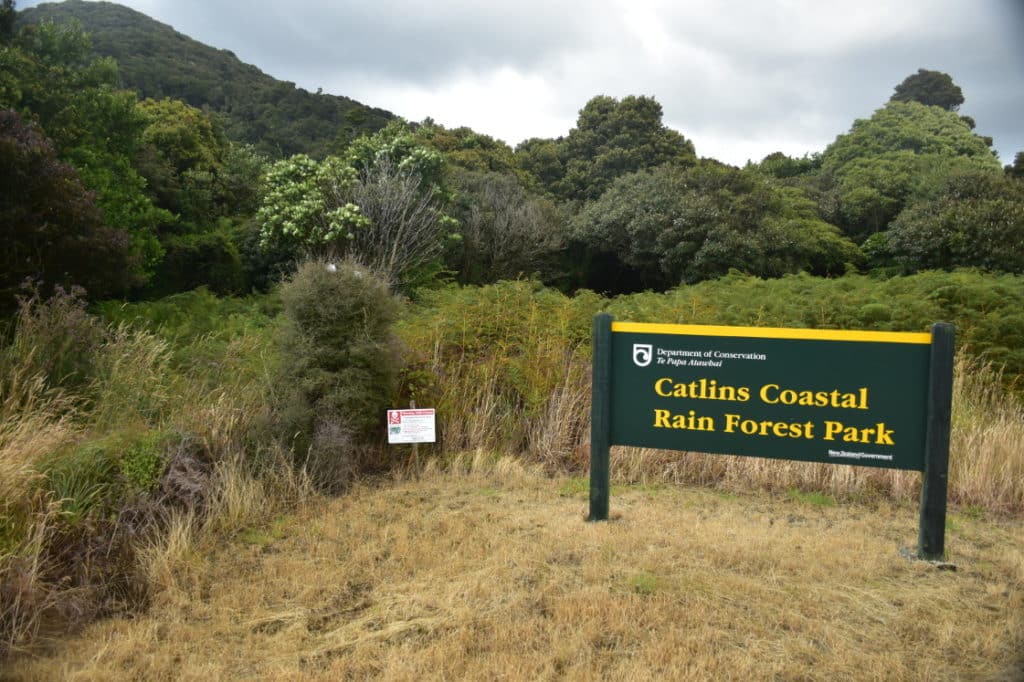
(800, 69)
(423, 43)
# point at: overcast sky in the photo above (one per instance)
(741, 78)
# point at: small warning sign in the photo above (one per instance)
(411, 426)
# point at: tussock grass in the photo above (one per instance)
(481, 569)
(173, 559)
(35, 420)
(26, 592)
(108, 440)
(987, 439)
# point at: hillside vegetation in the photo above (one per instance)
(156, 61)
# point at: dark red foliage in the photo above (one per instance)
(51, 230)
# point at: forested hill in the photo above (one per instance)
(157, 61)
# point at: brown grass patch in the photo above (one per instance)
(494, 574)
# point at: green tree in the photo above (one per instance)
(778, 165)
(398, 146)
(907, 126)
(612, 138)
(898, 156)
(307, 206)
(238, 183)
(188, 138)
(652, 229)
(467, 149)
(506, 232)
(542, 160)
(977, 220)
(182, 150)
(50, 227)
(932, 88)
(50, 75)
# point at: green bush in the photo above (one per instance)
(339, 359)
(96, 477)
(142, 461)
(205, 258)
(500, 364)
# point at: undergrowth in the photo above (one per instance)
(507, 367)
(114, 428)
(137, 436)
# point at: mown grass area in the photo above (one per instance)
(488, 570)
(136, 438)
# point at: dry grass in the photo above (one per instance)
(493, 574)
(987, 439)
(172, 559)
(34, 421)
(538, 410)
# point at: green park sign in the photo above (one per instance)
(879, 399)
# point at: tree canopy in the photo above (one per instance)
(669, 225)
(933, 88)
(976, 220)
(612, 138)
(619, 203)
(898, 155)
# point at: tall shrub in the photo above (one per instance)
(339, 362)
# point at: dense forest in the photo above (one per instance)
(212, 281)
(178, 166)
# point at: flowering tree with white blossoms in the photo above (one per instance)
(307, 205)
(383, 206)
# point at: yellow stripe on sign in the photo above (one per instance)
(772, 332)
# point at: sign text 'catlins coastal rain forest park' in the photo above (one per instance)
(869, 398)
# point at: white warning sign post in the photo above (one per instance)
(411, 426)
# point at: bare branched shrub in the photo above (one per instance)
(506, 232)
(188, 480)
(407, 227)
(333, 453)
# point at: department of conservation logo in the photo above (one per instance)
(642, 354)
